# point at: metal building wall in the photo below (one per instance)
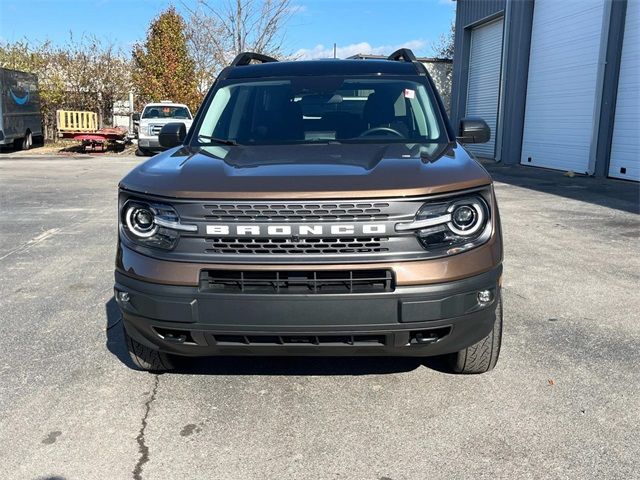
(468, 12)
(518, 19)
(516, 74)
(518, 22)
(610, 86)
(484, 83)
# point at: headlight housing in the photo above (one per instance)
(151, 224)
(453, 225)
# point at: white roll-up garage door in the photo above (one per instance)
(625, 147)
(483, 90)
(562, 84)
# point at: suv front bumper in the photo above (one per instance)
(410, 321)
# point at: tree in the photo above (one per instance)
(444, 47)
(163, 68)
(113, 78)
(97, 74)
(83, 74)
(218, 30)
(202, 35)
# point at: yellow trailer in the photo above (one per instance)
(76, 121)
(83, 127)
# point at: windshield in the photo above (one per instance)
(321, 109)
(166, 111)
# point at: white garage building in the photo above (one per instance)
(558, 82)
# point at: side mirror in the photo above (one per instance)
(172, 135)
(473, 130)
(135, 117)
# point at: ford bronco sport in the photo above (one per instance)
(314, 208)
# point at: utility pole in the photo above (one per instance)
(334, 50)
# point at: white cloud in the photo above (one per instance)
(322, 51)
(293, 9)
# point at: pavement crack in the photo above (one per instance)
(143, 449)
(34, 241)
(513, 292)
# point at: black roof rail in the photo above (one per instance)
(245, 58)
(404, 54)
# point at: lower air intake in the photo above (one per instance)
(325, 340)
(297, 282)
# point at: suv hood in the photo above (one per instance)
(307, 171)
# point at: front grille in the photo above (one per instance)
(155, 129)
(295, 212)
(297, 282)
(281, 246)
(297, 231)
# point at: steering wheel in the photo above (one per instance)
(390, 130)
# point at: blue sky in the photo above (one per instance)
(357, 26)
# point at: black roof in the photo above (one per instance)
(325, 67)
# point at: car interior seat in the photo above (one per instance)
(379, 111)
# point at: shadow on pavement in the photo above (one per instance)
(270, 365)
(115, 334)
(303, 366)
(618, 194)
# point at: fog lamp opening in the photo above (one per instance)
(485, 296)
(124, 297)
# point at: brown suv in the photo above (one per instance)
(313, 208)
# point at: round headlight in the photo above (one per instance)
(463, 217)
(140, 221)
(466, 218)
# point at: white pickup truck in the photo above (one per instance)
(154, 117)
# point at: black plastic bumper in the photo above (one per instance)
(410, 321)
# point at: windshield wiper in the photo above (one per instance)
(222, 141)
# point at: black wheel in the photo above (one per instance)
(147, 358)
(38, 141)
(482, 356)
(141, 152)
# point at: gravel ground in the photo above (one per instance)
(563, 401)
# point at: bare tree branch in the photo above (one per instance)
(444, 46)
(218, 30)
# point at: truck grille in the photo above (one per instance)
(295, 212)
(297, 282)
(282, 246)
(296, 231)
(155, 129)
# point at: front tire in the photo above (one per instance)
(481, 357)
(146, 358)
(142, 152)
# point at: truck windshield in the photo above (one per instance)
(321, 109)
(165, 111)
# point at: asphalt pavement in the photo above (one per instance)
(563, 402)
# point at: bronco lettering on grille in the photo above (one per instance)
(288, 230)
